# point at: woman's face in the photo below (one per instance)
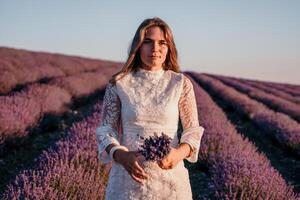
(154, 49)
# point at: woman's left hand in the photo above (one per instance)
(170, 160)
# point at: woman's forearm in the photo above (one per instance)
(184, 150)
(108, 148)
(117, 153)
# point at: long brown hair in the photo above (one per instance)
(133, 61)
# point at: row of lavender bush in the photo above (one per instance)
(23, 110)
(81, 84)
(274, 102)
(291, 89)
(70, 169)
(272, 90)
(19, 67)
(290, 86)
(279, 126)
(236, 169)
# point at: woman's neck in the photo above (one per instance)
(151, 68)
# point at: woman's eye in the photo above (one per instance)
(161, 43)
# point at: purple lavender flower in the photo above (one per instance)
(155, 147)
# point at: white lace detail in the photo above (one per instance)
(145, 102)
(109, 132)
(192, 132)
(146, 87)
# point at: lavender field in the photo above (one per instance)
(50, 106)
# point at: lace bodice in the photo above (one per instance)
(144, 102)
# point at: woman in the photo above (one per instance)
(149, 96)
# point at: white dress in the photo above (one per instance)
(141, 103)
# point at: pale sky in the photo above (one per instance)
(258, 39)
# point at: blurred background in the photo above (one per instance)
(249, 39)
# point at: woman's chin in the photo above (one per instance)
(154, 64)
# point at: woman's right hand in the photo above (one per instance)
(131, 162)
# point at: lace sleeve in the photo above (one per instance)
(192, 132)
(107, 133)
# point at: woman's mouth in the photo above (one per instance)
(154, 57)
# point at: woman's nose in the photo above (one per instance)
(155, 46)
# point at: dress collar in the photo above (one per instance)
(157, 74)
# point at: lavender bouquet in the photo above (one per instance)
(155, 147)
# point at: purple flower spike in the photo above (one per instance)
(156, 147)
